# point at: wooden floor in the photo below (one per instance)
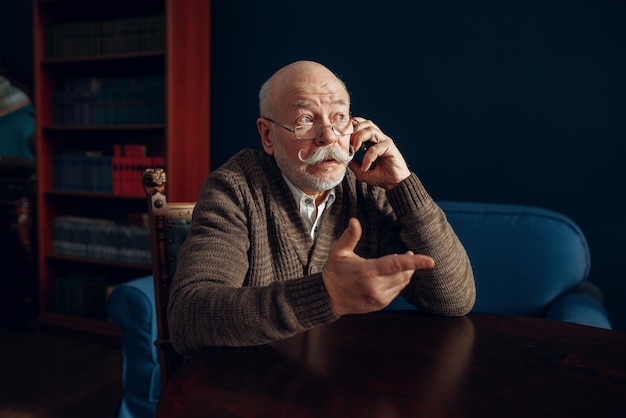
(45, 374)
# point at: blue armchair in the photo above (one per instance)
(132, 307)
(527, 261)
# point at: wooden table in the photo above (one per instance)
(405, 364)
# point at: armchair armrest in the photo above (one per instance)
(582, 305)
(131, 306)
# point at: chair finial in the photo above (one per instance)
(154, 181)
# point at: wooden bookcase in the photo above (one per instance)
(105, 42)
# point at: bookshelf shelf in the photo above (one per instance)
(78, 323)
(122, 58)
(140, 268)
(65, 194)
(112, 79)
(104, 128)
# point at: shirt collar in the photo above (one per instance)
(302, 197)
(306, 206)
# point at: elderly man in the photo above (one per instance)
(297, 235)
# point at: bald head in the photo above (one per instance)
(306, 76)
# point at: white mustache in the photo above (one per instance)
(334, 152)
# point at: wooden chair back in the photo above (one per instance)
(169, 226)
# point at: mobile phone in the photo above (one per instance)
(362, 150)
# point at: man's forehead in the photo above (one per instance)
(333, 100)
(307, 85)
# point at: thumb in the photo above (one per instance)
(348, 240)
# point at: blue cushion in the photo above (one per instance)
(131, 306)
(583, 305)
(526, 261)
(523, 257)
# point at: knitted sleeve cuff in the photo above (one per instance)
(409, 196)
(310, 301)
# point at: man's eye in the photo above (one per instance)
(305, 120)
(339, 117)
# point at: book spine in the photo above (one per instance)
(105, 37)
(110, 101)
(101, 239)
(82, 295)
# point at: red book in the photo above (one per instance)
(116, 162)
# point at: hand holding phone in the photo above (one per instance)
(385, 165)
(362, 150)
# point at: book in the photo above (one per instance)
(89, 171)
(105, 36)
(88, 101)
(102, 239)
(92, 171)
(82, 295)
(128, 163)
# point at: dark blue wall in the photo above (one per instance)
(16, 40)
(519, 101)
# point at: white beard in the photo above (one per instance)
(301, 178)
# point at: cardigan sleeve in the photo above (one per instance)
(449, 288)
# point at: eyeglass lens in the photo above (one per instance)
(315, 131)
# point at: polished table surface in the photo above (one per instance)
(406, 364)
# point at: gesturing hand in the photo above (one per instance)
(359, 285)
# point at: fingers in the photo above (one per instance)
(407, 262)
(366, 133)
(347, 242)
(386, 265)
(380, 149)
(367, 138)
(358, 285)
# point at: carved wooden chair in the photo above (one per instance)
(169, 226)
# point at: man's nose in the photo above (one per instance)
(327, 136)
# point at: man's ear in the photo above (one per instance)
(263, 126)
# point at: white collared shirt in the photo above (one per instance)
(306, 204)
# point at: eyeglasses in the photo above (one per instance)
(311, 131)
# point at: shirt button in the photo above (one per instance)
(313, 269)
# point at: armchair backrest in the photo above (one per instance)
(169, 226)
(523, 257)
